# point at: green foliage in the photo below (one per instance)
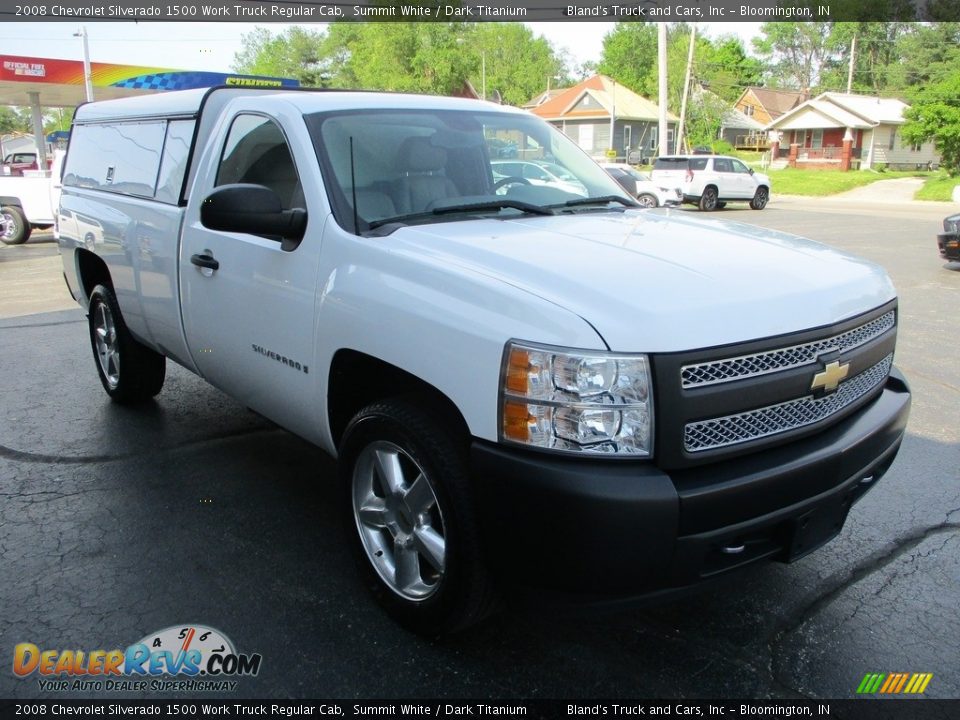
(428, 57)
(58, 119)
(630, 57)
(935, 115)
(938, 187)
(723, 66)
(795, 52)
(14, 120)
(294, 53)
(924, 55)
(818, 183)
(519, 65)
(722, 147)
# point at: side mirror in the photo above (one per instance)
(751, 171)
(253, 209)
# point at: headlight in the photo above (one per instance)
(576, 401)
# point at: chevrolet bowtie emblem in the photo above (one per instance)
(829, 379)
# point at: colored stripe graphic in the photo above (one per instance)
(894, 683)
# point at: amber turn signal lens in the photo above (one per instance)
(516, 421)
(518, 371)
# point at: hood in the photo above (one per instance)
(652, 281)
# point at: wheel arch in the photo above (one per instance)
(91, 271)
(357, 379)
(11, 201)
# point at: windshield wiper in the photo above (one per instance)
(465, 208)
(493, 205)
(603, 200)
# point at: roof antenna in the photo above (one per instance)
(353, 186)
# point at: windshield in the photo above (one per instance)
(416, 166)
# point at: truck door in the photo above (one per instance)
(248, 302)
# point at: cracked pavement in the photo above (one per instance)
(116, 522)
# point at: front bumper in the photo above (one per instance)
(601, 531)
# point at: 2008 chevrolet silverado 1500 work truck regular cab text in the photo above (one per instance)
(527, 386)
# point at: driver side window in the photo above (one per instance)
(257, 152)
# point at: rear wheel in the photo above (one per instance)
(721, 205)
(15, 228)
(760, 198)
(708, 200)
(412, 519)
(647, 200)
(129, 371)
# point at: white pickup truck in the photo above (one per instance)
(27, 202)
(528, 389)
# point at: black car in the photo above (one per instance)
(949, 239)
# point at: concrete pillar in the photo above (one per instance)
(794, 152)
(38, 135)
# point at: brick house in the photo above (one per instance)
(818, 127)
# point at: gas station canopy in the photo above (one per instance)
(60, 83)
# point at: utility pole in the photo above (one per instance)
(483, 72)
(87, 77)
(686, 89)
(853, 53)
(662, 72)
(613, 115)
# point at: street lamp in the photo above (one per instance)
(87, 78)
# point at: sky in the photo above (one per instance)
(211, 46)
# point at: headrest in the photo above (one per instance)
(418, 155)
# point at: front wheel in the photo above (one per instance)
(15, 229)
(760, 198)
(412, 519)
(129, 372)
(647, 200)
(708, 200)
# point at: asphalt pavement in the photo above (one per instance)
(117, 522)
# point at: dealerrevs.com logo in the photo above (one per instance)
(181, 658)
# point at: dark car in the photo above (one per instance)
(949, 240)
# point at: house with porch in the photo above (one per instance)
(815, 133)
(590, 110)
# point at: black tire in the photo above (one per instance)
(16, 229)
(760, 198)
(647, 200)
(721, 205)
(129, 371)
(708, 200)
(431, 601)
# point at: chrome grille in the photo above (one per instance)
(775, 419)
(762, 363)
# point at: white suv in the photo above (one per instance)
(710, 181)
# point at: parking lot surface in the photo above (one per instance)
(118, 522)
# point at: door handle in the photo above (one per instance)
(205, 261)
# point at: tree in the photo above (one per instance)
(519, 65)
(58, 119)
(925, 54)
(935, 115)
(726, 68)
(14, 120)
(795, 52)
(630, 55)
(295, 53)
(434, 57)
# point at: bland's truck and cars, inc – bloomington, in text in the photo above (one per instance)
(529, 388)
